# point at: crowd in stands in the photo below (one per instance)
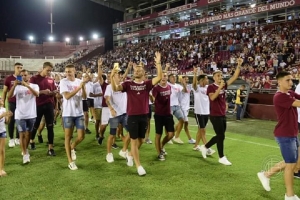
(265, 50)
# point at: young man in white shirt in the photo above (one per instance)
(117, 104)
(201, 108)
(73, 91)
(25, 113)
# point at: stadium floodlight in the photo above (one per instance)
(51, 38)
(67, 39)
(252, 5)
(31, 38)
(95, 36)
(80, 38)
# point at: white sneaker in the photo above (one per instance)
(224, 161)
(295, 197)
(17, 141)
(203, 150)
(265, 181)
(148, 141)
(178, 140)
(197, 148)
(72, 166)
(170, 142)
(192, 141)
(129, 160)
(163, 150)
(210, 152)
(123, 153)
(11, 143)
(73, 154)
(109, 158)
(141, 171)
(26, 159)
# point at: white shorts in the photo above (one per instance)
(185, 115)
(105, 116)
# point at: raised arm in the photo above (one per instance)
(158, 68)
(100, 71)
(237, 72)
(195, 78)
(129, 67)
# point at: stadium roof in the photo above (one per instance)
(120, 4)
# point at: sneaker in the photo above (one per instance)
(148, 141)
(109, 158)
(123, 153)
(297, 175)
(54, 122)
(17, 141)
(40, 139)
(87, 131)
(11, 143)
(192, 141)
(224, 161)
(26, 159)
(203, 150)
(141, 171)
(210, 152)
(51, 153)
(27, 152)
(265, 181)
(114, 146)
(100, 140)
(295, 197)
(32, 146)
(163, 151)
(178, 140)
(73, 154)
(170, 142)
(129, 160)
(197, 148)
(72, 166)
(161, 157)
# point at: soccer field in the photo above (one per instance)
(249, 145)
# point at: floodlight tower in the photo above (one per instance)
(51, 16)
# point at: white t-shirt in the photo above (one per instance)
(175, 91)
(96, 90)
(118, 101)
(184, 98)
(73, 106)
(201, 101)
(25, 102)
(2, 121)
(297, 90)
(89, 88)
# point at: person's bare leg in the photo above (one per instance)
(126, 141)
(2, 156)
(68, 137)
(179, 128)
(86, 120)
(158, 143)
(80, 138)
(22, 142)
(198, 138)
(166, 139)
(135, 152)
(278, 167)
(289, 178)
(187, 131)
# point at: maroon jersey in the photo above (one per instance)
(217, 106)
(287, 125)
(44, 83)
(9, 82)
(137, 96)
(162, 100)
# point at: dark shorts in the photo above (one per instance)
(137, 126)
(164, 121)
(150, 112)
(90, 103)
(85, 106)
(201, 120)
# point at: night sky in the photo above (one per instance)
(72, 18)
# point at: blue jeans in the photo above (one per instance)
(239, 108)
(24, 125)
(289, 148)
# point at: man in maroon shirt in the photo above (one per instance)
(163, 117)
(8, 84)
(45, 104)
(217, 93)
(286, 134)
(138, 107)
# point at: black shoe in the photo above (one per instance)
(114, 146)
(100, 141)
(32, 146)
(87, 131)
(40, 138)
(54, 122)
(51, 152)
(297, 175)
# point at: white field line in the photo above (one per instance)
(238, 140)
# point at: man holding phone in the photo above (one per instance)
(45, 104)
(8, 84)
